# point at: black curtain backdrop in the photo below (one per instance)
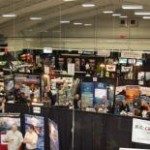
(92, 131)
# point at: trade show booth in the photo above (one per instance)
(91, 130)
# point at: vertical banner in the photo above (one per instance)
(141, 131)
(53, 135)
(39, 126)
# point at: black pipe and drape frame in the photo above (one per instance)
(93, 131)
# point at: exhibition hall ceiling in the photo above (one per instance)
(43, 18)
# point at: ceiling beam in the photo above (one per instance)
(79, 16)
(34, 8)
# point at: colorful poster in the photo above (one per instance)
(141, 131)
(53, 135)
(100, 94)
(39, 126)
(6, 122)
(87, 89)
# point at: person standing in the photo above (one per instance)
(31, 138)
(14, 138)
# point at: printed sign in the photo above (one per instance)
(141, 131)
(111, 68)
(131, 54)
(71, 69)
(103, 53)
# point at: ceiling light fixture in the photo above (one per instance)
(130, 7)
(9, 15)
(123, 17)
(64, 21)
(35, 18)
(108, 12)
(77, 23)
(146, 17)
(88, 5)
(116, 15)
(87, 24)
(140, 13)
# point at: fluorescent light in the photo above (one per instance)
(9, 15)
(142, 13)
(123, 17)
(35, 18)
(87, 24)
(108, 12)
(77, 23)
(132, 7)
(146, 17)
(64, 21)
(116, 15)
(88, 5)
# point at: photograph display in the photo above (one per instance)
(39, 127)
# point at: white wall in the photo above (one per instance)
(104, 34)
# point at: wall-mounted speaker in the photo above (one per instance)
(123, 23)
(133, 23)
(126, 23)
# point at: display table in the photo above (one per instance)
(93, 131)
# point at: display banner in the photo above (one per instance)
(39, 127)
(132, 149)
(141, 131)
(6, 123)
(53, 135)
(131, 54)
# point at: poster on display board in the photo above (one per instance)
(9, 86)
(100, 94)
(53, 135)
(6, 123)
(87, 89)
(141, 131)
(39, 127)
